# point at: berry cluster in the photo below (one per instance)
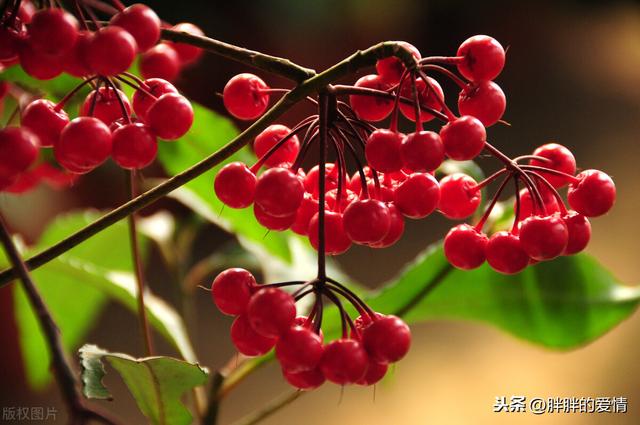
(266, 317)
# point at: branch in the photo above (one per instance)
(271, 408)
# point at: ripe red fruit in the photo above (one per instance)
(371, 108)
(271, 311)
(10, 41)
(186, 52)
(396, 228)
(560, 159)
(111, 51)
(483, 58)
(299, 349)
(465, 247)
(244, 98)
(375, 373)
(134, 146)
(336, 240)
(306, 380)
(47, 122)
(418, 195)
(84, 144)
(527, 208)
(170, 117)
(484, 100)
(463, 138)
(593, 194)
(579, 230)
(428, 95)
(505, 253)
(160, 61)
(235, 185)
(346, 198)
(141, 22)
(312, 179)
(19, 147)
(269, 137)
(40, 65)
(366, 221)
(308, 207)
(107, 106)
(459, 196)
(344, 361)
(155, 86)
(74, 62)
(383, 150)
(231, 291)
(543, 238)
(391, 68)
(247, 340)
(278, 224)
(422, 151)
(279, 192)
(53, 31)
(387, 339)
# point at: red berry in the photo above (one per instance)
(271, 311)
(74, 62)
(111, 51)
(134, 146)
(235, 185)
(45, 120)
(278, 224)
(375, 373)
(40, 65)
(383, 150)
(306, 380)
(84, 144)
(155, 86)
(312, 180)
(391, 68)
(170, 117)
(107, 106)
(422, 151)
(559, 159)
(269, 137)
(336, 240)
(527, 207)
(366, 221)
(459, 196)
(593, 194)
(387, 339)
(231, 291)
(244, 98)
(141, 22)
(505, 253)
(483, 58)
(579, 230)
(308, 207)
(53, 31)
(396, 228)
(484, 100)
(160, 61)
(19, 147)
(543, 238)
(344, 361)
(463, 138)
(331, 201)
(187, 53)
(299, 349)
(279, 192)
(428, 95)
(248, 341)
(418, 195)
(371, 108)
(10, 40)
(465, 247)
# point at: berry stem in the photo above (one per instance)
(416, 103)
(323, 113)
(516, 219)
(552, 189)
(448, 60)
(488, 180)
(450, 115)
(453, 77)
(69, 95)
(569, 177)
(123, 108)
(492, 204)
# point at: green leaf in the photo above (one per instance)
(55, 88)
(156, 383)
(209, 133)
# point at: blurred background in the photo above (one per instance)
(572, 76)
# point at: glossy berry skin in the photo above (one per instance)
(141, 22)
(593, 194)
(231, 291)
(483, 58)
(299, 349)
(387, 339)
(42, 117)
(418, 195)
(366, 221)
(279, 192)
(458, 196)
(306, 380)
(160, 61)
(74, 62)
(579, 230)
(484, 100)
(346, 198)
(134, 146)
(243, 98)
(527, 208)
(111, 51)
(560, 159)
(40, 65)
(107, 107)
(375, 373)
(187, 53)
(336, 239)
(544, 238)
(10, 41)
(383, 150)
(279, 224)
(269, 137)
(235, 185)
(505, 253)
(312, 179)
(19, 147)
(155, 86)
(248, 341)
(422, 151)
(390, 69)
(463, 138)
(371, 108)
(396, 228)
(170, 117)
(84, 144)
(465, 247)
(271, 311)
(53, 31)
(344, 361)
(428, 95)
